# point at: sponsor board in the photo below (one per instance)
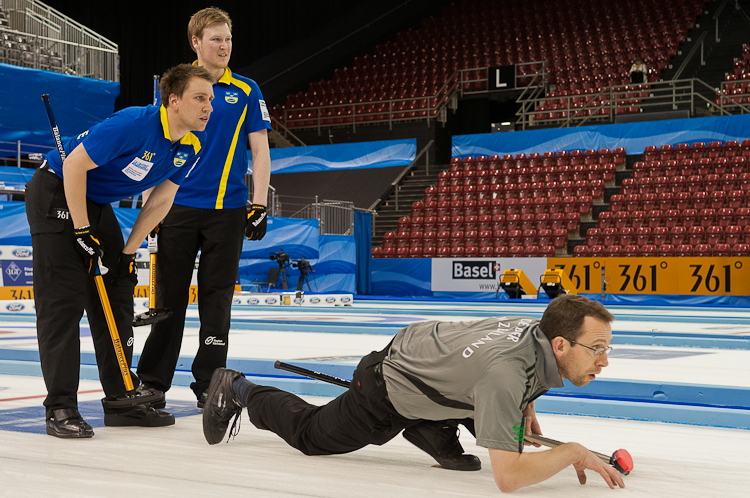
(480, 274)
(16, 252)
(291, 299)
(696, 276)
(24, 307)
(17, 272)
(12, 293)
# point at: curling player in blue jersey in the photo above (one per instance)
(73, 226)
(211, 215)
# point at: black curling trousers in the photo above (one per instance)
(362, 415)
(63, 289)
(218, 234)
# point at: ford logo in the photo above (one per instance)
(314, 300)
(15, 307)
(298, 300)
(271, 300)
(22, 253)
(346, 299)
(330, 300)
(236, 301)
(253, 300)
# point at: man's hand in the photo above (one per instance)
(125, 270)
(592, 462)
(532, 424)
(88, 246)
(256, 222)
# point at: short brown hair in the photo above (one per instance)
(203, 19)
(176, 80)
(565, 314)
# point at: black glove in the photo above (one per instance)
(256, 222)
(88, 246)
(125, 270)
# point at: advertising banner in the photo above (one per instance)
(480, 274)
(703, 276)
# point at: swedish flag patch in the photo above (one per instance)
(231, 97)
(180, 159)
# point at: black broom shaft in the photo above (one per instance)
(312, 374)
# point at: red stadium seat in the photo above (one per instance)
(696, 235)
(722, 250)
(702, 250)
(604, 220)
(643, 236)
(714, 235)
(660, 235)
(666, 250)
(684, 250)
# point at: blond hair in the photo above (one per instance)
(203, 19)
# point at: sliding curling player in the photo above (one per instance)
(484, 375)
(74, 230)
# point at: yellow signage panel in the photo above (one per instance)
(725, 276)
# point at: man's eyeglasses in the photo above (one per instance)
(597, 351)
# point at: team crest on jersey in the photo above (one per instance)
(181, 158)
(231, 97)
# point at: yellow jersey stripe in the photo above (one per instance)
(164, 122)
(242, 85)
(228, 162)
(191, 139)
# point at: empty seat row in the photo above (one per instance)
(664, 250)
(673, 217)
(676, 235)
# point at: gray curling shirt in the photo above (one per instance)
(488, 370)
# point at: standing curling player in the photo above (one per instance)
(73, 224)
(210, 214)
(484, 375)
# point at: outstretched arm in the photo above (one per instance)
(513, 470)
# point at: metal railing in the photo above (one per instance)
(43, 38)
(729, 100)
(428, 108)
(396, 184)
(22, 155)
(577, 110)
(698, 44)
(716, 18)
(334, 217)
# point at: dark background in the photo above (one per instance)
(268, 37)
(152, 36)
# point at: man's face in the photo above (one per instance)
(215, 48)
(194, 107)
(579, 364)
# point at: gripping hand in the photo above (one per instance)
(256, 222)
(88, 246)
(125, 270)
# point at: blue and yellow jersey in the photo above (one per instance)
(218, 182)
(133, 152)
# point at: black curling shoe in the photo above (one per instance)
(135, 416)
(68, 423)
(440, 441)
